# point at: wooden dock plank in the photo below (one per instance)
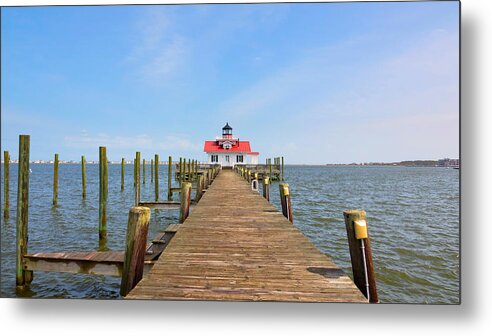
(235, 246)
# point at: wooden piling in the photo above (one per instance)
(6, 184)
(55, 181)
(143, 171)
(137, 178)
(156, 177)
(122, 174)
(136, 241)
(189, 170)
(169, 179)
(185, 201)
(266, 188)
(103, 192)
(270, 168)
(199, 187)
(180, 170)
(82, 162)
(151, 171)
(22, 277)
(282, 168)
(361, 258)
(285, 201)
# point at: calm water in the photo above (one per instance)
(413, 216)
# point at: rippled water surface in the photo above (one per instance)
(413, 216)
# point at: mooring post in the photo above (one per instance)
(282, 168)
(143, 171)
(266, 188)
(185, 200)
(285, 201)
(136, 241)
(103, 192)
(55, 180)
(180, 170)
(360, 253)
(82, 161)
(122, 174)
(270, 164)
(189, 170)
(6, 184)
(199, 187)
(137, 179)
(151, 171)
(22, 276)
(156, 177)
(169, 179)
(192, 170)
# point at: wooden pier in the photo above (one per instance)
(235, 246)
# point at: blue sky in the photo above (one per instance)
(316, 83)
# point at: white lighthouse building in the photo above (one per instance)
(229, 151)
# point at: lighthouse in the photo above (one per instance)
(229, 151)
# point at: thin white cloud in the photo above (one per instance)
(130, 143)
(159, 53)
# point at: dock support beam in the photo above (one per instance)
(22, 277)
(103, 192)
(6, 184)
(136, 241)
(185, 195)
(55, 181)
(360, 253)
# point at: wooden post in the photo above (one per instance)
(360, 253)
(285, 201)
(137, 179)
(156, 177)
(6, 184)
(22, 277)
(55, 181)
(84, 193)
(270, 165)
(185, 200)
(143, 171)
(122, 174)
(192, 170)
(180, 170)
(189, 170)
(136, 241)
(199, 187)
(266, 188)
(151, 171)
(169, 177)
(103, 192)
(282, 168)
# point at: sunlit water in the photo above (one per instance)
(413, 216)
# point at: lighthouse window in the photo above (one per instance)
(215, 158)
(239, 158)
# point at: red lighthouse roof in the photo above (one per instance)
(238, 146)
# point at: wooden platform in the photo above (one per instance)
(235, 246)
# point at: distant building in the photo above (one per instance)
(229, 151)
(448, 162)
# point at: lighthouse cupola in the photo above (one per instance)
(227, 132)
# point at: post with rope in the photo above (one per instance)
(360, 253)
